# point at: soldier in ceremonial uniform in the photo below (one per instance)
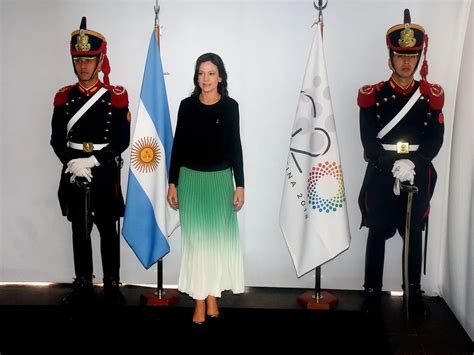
(90, 129)
(401, 127)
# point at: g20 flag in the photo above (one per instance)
(149, 219)
(313, 212)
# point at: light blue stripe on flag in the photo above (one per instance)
(154, 98)
(140, 228)
(149, 219)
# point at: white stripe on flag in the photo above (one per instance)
(313, 212)
(154, 184)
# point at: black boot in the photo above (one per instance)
(417, 306)
(371, 304)
(112, 294)
(82, 293)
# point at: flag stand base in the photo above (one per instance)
(168, 297)
(326, 302)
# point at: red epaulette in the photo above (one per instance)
(366, 97)
(61, 95)
(435, 92)
(119, 95)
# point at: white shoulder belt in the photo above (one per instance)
(85, 107)
(388, 127)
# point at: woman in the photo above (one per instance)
(207, 152)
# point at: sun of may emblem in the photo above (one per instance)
(146, 154)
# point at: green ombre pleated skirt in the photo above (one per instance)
(211, 259)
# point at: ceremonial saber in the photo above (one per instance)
(410, 189)
(119, 163)
(86, 186)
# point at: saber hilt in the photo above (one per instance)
(408, 188)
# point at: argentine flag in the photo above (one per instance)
(149, 219)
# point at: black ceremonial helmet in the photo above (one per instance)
(408, 39)
(88, 43)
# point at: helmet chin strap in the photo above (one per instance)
(96, 70)
(97, 67)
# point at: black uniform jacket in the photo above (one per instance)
(423, 125)
(107, 121)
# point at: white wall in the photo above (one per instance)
(457, 263)
(264, 45)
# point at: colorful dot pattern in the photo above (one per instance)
(317, 202)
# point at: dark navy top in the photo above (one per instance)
(207, 138)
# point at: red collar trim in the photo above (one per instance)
(90, 91)
(399, 89)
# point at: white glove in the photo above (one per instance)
(396, 187)
(404, 170)
(75, 165)
(86, 173)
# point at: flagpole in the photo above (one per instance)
(161, 297)
(317, 282)
(318, 299)
(159, 274)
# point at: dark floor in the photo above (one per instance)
(268, 319)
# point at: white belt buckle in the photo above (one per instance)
(403, 148)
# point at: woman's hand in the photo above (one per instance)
(172, 196)
(238, 198)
